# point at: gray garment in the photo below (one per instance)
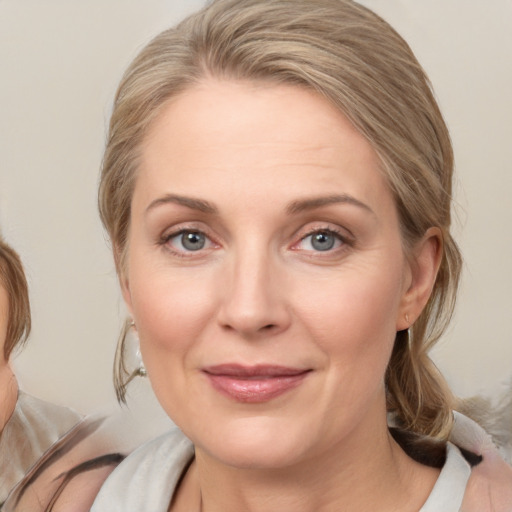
(33, 427)
(146, 480)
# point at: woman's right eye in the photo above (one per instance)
(189, 241)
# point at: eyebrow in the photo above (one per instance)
(189, 202)
(298, 206)
(317, 202)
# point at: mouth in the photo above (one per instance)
(254, 384)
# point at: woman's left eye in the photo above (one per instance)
(321, 241)
(189, 241)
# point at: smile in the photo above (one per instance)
(254, 384)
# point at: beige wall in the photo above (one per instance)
(60, 61)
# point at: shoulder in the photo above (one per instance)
(33, 427)
(46, 419)
(146, 479)
(490, 485)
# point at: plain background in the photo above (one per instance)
(60, 61)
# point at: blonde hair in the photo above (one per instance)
(12, 278)
(356, 61)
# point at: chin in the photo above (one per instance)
(264, 456)
(256, 443)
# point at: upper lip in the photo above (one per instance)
(253, 371)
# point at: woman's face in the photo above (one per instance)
(4, 318)
(265, 273)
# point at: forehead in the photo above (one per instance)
(257, 133)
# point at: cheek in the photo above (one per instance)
(353, 316)
(352, 323)
(169, 311)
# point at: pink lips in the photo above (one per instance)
(254, 384)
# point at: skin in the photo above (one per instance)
(260, 292)
(8, 384)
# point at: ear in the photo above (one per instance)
(424, 264)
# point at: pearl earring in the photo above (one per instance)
(141, 369)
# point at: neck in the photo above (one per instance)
(374, 474)
(8, 393)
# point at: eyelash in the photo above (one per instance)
(340, 236)
(346, 241)
(167, 237)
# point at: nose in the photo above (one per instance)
(254, 302)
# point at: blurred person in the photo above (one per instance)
(28, 425)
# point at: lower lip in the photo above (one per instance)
(255, 389)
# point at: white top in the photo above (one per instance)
(146, 480)
(448, 491)
(33, 427)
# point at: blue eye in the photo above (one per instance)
(322, 241)
(193, 241)
(189, 241)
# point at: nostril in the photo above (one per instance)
(268, 327)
